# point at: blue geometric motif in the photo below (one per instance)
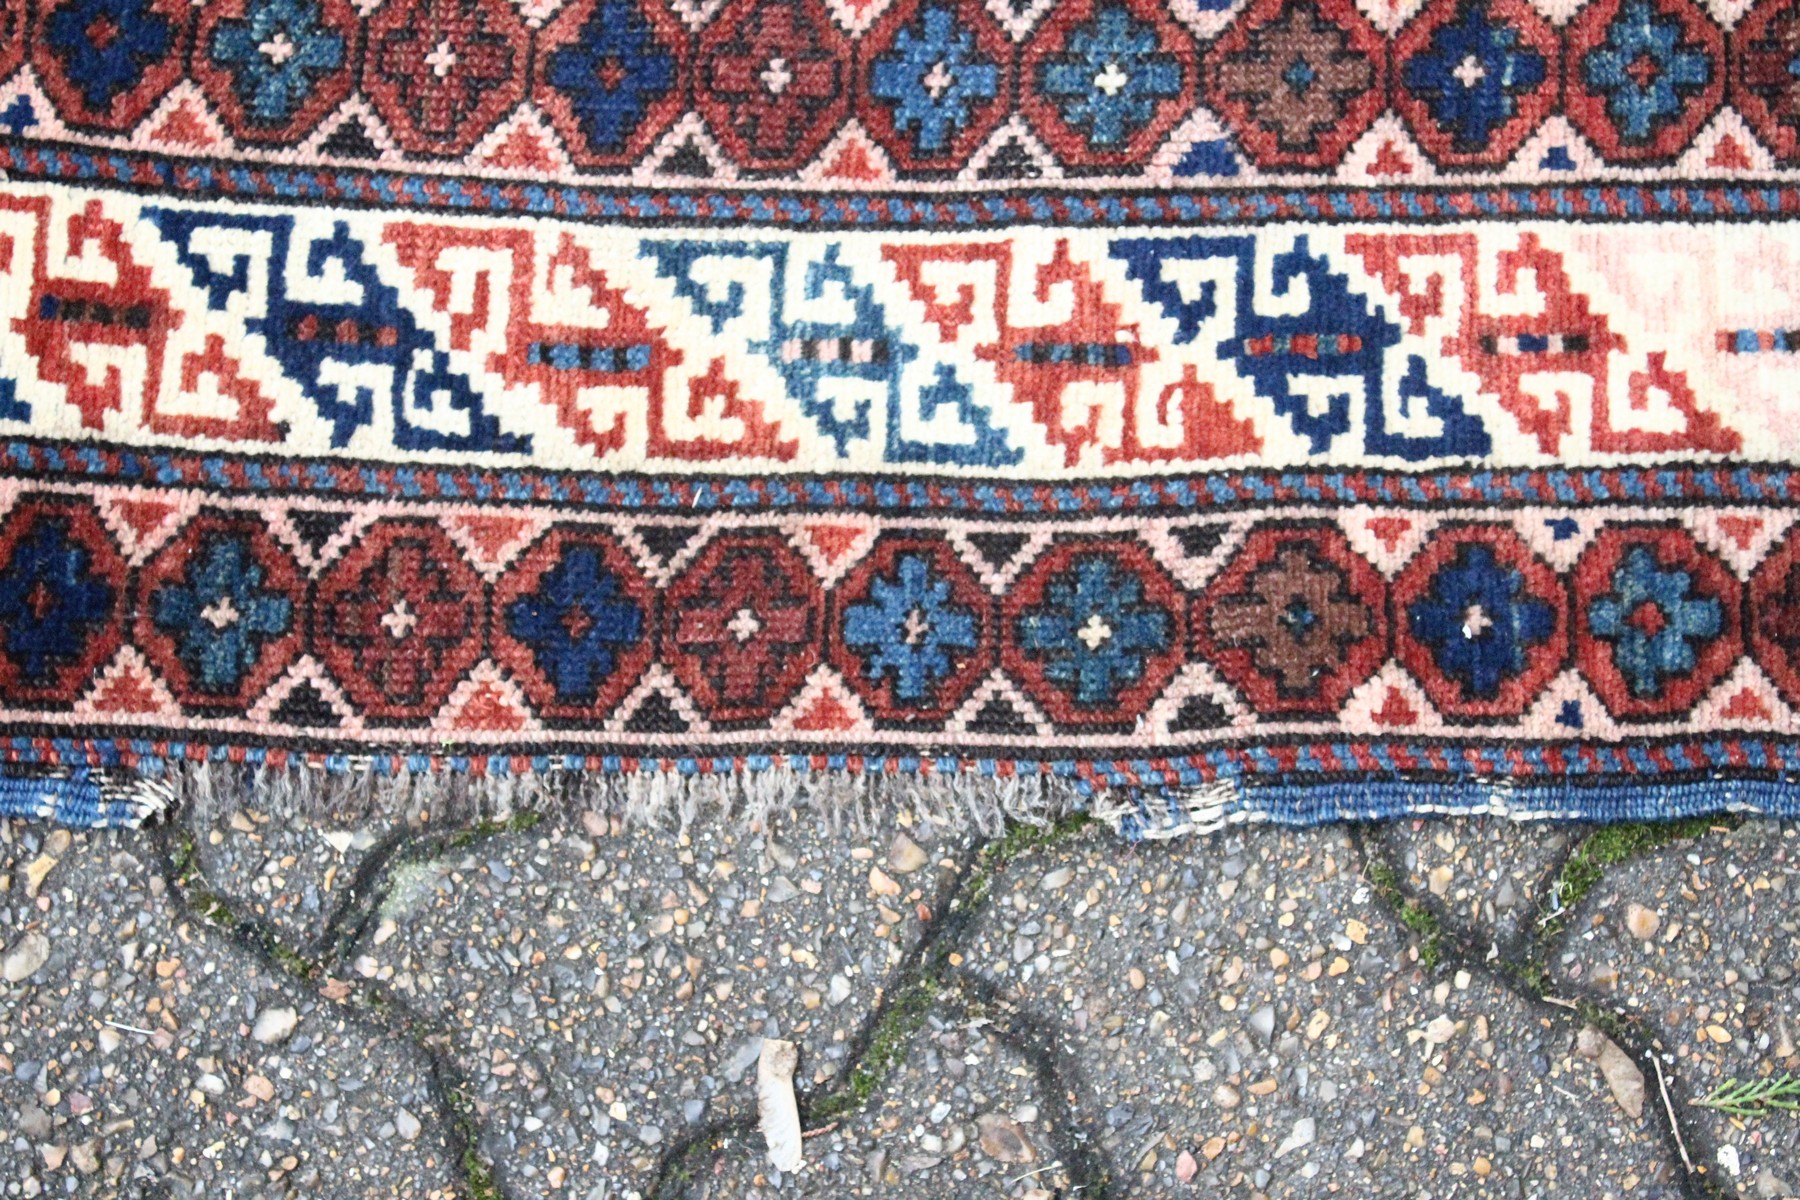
(19, 116)
(611, 73)
(105, 46)
(1094, 629)
(1479, 620)
(1472, 73)
(222, 616)
(50, 602)
(1653, 622)
(1111, 78)
(11, 407)
(272, 86)
(932, 76)
(312, 340)
(575, 622)
(812, 355)
(988, 448)
(1214, 157)
(1643, 68)
(908, 629)
(1339, 335)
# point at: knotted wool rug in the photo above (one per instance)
(1189, 410)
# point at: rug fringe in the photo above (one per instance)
(847, 800)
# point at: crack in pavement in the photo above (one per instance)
(1522, 969)
(927, 980)
(364, 1001)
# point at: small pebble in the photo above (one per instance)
(1641, 922)
(905, 855)
(274, 1025)
(26, 957)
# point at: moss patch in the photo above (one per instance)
(1419, 919)
(1609, 846)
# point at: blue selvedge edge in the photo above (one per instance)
(104, 798)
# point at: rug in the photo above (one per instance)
(1182, 410)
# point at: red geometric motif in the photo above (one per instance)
(558, 360)
(1764, 86)
(12, 35)
(64, 313)
(443, 72)
(185, 126)
(741, 627)
(771, 80)
(251, 424)
(126, 688)
(1098, 347)
(1093, 345)
(714, 403)
(1774, 624)
(1564, 337)
(399, 620)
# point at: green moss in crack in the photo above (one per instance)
(1017, 841)
(478, 1177)
(1609, 846)
(1419, 919)
(517, 823)
(887, 1047)
(906, 1012)
(209, 906)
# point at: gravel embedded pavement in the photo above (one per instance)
(382, 1005)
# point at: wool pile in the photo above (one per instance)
(1183, 410)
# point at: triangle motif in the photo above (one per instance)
(832, 547)
(1746, 698)
(317, 535)
(656, 706)
(487, 702)
(493, 540)
(143, 520)
(824, 705)
(307, 697)
(1388, 538)
(997, 708)
(127, 687)
(1390, 703)
(1743, 538)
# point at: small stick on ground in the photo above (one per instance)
(1662, 1085)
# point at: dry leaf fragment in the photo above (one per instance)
(776, 1110)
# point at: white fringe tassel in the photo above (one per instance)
(659, 799)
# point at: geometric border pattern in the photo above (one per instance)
(1603, 201)
(359, 626)
(839, 97)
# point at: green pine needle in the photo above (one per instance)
(1755, 1097)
